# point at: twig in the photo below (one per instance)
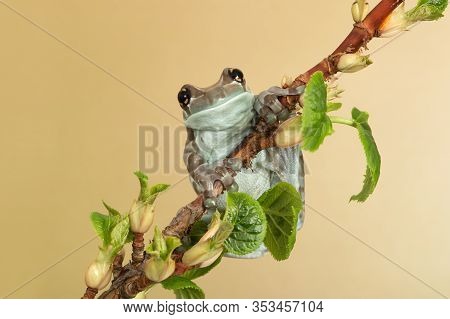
(132, 279)
(90, 293)
(138, 245)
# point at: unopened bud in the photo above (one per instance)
(350, 63)
(213, 227)
(289, 133)
(158, 269)
(210, 246)
(360, 10)
(141, 217)
(141, 295)
(98, 275)
(202, 254)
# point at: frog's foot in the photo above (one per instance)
(269, 107)
(222, 171)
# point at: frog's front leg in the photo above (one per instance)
(204, 175)
(269, 107)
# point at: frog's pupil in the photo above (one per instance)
(237, 75)
(184, 97)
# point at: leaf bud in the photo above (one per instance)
(141, 217)
(360, 10)
(98, 275)
(289, 133)
(202, 254)
(158, 269)
(350, 63)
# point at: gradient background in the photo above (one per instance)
(69, 138)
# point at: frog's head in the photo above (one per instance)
(229, 91)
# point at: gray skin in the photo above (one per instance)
(217, 119)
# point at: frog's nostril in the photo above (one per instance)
(236, 75)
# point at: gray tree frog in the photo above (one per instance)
(217, 119)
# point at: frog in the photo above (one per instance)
(218, 118)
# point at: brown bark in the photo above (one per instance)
(117, 265)
(132, 279)
(138, 248)
(90, 293)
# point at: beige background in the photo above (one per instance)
(68, 139)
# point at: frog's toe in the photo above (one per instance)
(233, 188)
(210, 203)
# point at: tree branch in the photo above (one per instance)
(361, 34)
(131, 279)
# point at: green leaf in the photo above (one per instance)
(119, 235)
(249, 222)
(183, 288)
(189, 293)
(130, 237)
(316, 125)
(199, 272)
(172, 243)
(427, 10)
(112, 212)
(162, 246)
(282, 205)
(101, 224)
(359, 117)
(372, 155)
(158, 188)
(144, 193)
(197, 231)
(154, 192)
(333, 106)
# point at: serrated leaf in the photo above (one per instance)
(282, 205)
(427, 10)
(158, 188)
(112, 212)
(183, 288)
(144, 192)
(154, 192)
(372, 155)
(333, 106)
(189, 293)
(101, 224)
(119, 234)
(316, 125)
(249, 222)
(199, 272)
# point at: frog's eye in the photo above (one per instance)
(236, 75)
(184, 97)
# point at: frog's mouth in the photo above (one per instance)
(232, 113)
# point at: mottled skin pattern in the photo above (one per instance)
(217, 119)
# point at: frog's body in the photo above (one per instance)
(218, 118)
